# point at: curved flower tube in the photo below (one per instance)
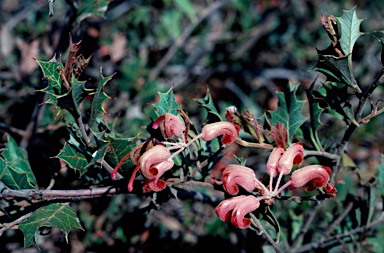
(237, 175)
(273, 161)
(227, 129)
(313, 176)
(151, 157)
(156, 184)
(240, 206)
(293, 155)
(170, 125)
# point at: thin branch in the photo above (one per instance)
(183, 38)
(7, 226)
(339, 219)
(321, 153)
(338, 237)
(265, 233)
(109, 168)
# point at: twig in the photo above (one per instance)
(14, 223)
(32, 194)
(321, 153)
(183, 38)
(262, 229)
(304, 229)
(339, 219)
(337, 238)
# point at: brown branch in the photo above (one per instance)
(13, 224)
(264, 232)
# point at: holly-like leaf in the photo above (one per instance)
(57, 215)
(74, 158)
(17, 173)
(336, 69)
(50, 72)
(167, 103)
(117, 149)
(289, 112)
(97, 102)
(207, 103)
(349, 26)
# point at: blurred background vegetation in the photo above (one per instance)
(242, 51)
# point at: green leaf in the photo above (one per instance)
(117, 149)
(336, 69)
(350, 30)
(187, 7)
(17, 174)
(98, 100)
(3, 166)
(380, 176)
(88, 8)
(207, 102)
(171, 21)
(74, 158)
(289, 112)
(50, 72)
(167, 104)
(57, 215)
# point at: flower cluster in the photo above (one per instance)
(280, 163)
(154, 158)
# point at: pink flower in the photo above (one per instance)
(156, 184)
(293, 155)
(170, 125)
(151, 158)
(237, 175)
(273, 161)
(313, 176)
(213, 130)
(240, 206)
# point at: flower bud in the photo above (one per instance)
(170, 125)
(312, 177)
(237, 175)
(293, 155)
(213, 130)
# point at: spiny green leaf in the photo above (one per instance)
(335, 68)
(350, 30)
(74, 158)
(57, 215)
(18, 173)
(3, 166)
(207, 102)
(289, 111)
(117, 149)
(167, 103)
(51, 73)
(98, 100)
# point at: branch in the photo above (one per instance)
(321, 153)
(6, 226)
(265, 233)
(338, 237)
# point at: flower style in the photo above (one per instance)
(213, 130)
(170, 125)
(240, 206)
(237, 175)
(311, 177)
(293, 155)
